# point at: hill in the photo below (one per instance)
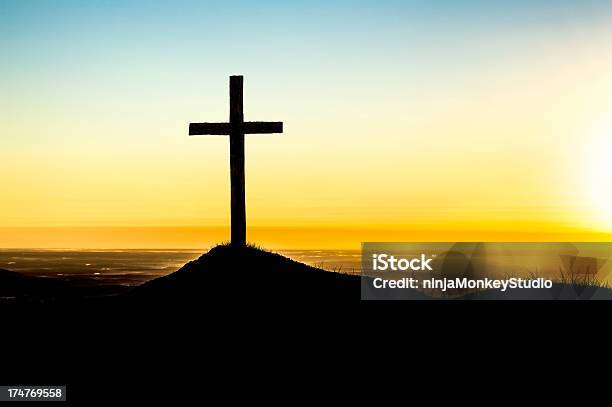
(237, 273)
(22, 288)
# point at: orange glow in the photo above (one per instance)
(274, 237)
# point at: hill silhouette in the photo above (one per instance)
(18, 285)
(247, 272)
(24, 288)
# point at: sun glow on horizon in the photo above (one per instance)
(599, 177)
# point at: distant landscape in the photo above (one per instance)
(61, 277)
(134, 267)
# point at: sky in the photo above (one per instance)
(403, 120)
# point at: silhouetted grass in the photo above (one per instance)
(577, 279)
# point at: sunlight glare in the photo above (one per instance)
(600, 178)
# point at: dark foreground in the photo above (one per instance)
(104, 343)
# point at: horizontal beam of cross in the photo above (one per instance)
(197, 129)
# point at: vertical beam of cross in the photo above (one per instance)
(236, 129)
(238, 204)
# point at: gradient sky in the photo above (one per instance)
(404, 120)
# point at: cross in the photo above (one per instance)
(236, 129)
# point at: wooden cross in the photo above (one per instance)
(236, 129)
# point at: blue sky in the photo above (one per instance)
(271, 36)
(72, 45)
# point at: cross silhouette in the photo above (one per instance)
(236, 129)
